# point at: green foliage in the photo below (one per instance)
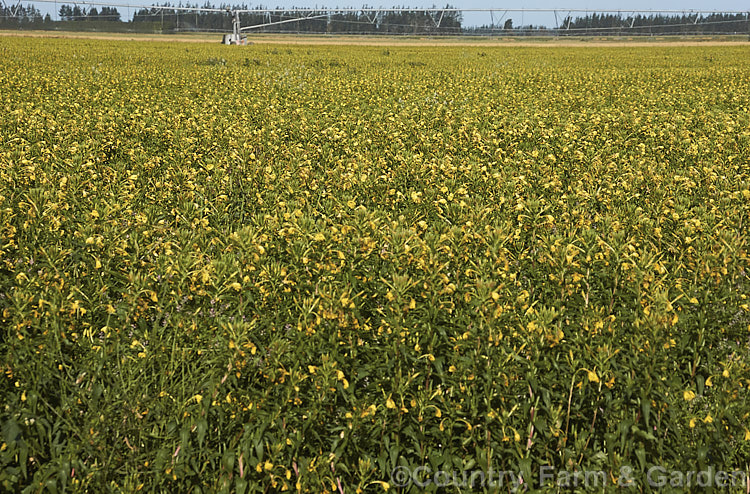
(305, 267)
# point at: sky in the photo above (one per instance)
(563, 7)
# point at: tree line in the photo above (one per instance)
(76, 13)
(165, 18)
(21, 14)
(404, 22)
(619, 25)
(658, 24)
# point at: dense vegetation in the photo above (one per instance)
(257, 269)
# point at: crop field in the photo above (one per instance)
(365, 269)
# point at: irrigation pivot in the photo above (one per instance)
(236, 38)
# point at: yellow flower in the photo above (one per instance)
(236, 286)
(688, 395)
(592, 376)
(709, 419)
(390, 403)
(692, 423)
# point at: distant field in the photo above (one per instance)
(363, 40)
(372, 268)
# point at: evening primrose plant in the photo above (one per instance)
(319, 271)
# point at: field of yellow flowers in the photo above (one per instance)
(299, 268)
